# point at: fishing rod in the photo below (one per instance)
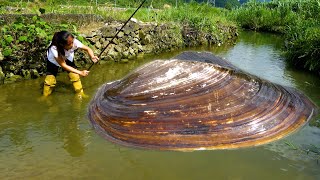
(117, 33)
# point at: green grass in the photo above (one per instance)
(265, 16)
(202, 16)
(303, 45)
(118, 3)
(298, 20)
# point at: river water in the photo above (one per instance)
(52, 138)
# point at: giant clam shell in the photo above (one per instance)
(186, 105)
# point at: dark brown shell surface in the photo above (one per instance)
(183, 104)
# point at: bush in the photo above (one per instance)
(25, 42)
(303, 45)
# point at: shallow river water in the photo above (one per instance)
(52, 138)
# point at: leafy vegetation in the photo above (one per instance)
(25, 41)
(20, 34)
(203, 16)
(298, 20)
(24, 33)
(303, 45)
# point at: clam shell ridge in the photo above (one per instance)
(186, 105)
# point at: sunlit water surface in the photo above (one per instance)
(52, 138)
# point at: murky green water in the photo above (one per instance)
(52, 138)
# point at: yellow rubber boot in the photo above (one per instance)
(49, 84)
(76, 82)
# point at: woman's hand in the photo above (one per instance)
(94, 59)
(91, 54)
(84, 73)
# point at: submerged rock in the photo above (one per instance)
(34, 73)
(12, 78)
(26, 74)
(196, 101)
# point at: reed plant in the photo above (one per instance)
(303, 45)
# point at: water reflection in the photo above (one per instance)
(72, 139)
(63, 121)
(261, 58)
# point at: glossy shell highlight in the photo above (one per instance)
(184, 104)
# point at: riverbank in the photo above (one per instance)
(23, 51)
(298, 21)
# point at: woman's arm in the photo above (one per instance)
(90, 52)
(66, 67)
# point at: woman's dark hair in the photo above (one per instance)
(59, 40)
